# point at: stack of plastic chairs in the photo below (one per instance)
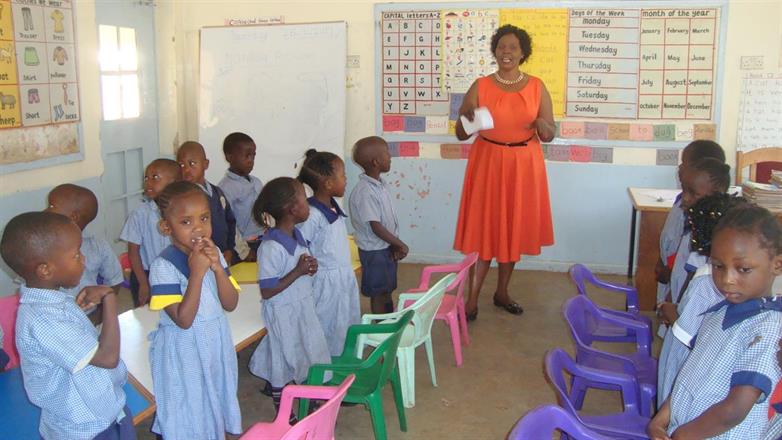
(418, 333)
(633, 374)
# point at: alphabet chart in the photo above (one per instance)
(637, 72)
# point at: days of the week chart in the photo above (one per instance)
(642, 64)
(38, 83)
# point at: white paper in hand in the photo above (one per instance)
(481, 120)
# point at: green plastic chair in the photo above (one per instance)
(418, 333)
(371, 373)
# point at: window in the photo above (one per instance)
(119, 72)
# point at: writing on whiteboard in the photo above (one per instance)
(760, 113)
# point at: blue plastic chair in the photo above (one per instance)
(628, 424)
(583, 318)
(581, 275)
(545, 420)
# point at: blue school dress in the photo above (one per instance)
(194, 370)
(670, 237)
(294, 338)
(700, 295)
(736, 346)
(335, 289)
(679, 273)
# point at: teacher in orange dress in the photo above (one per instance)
(505, 210)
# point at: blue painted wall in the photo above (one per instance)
(35, 200)
(590, 207)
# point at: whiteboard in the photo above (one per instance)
(760, 114)
(284, 85)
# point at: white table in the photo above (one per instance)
(246, 323)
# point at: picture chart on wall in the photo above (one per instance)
(642, 74)
(39, 89)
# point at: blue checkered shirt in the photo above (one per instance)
(99, 260)
(736, 345)
(56, 342)
(141, 228)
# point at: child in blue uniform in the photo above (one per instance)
(722, 389)
(704, 177)
(192, 354)
(81, 206)
(241, 188)
(334, 285)
(701, 292)
(141, 231)
(672, 231)
(294, 339)
(71, 372)
(192, 158)
(375, 224)
(774, 429)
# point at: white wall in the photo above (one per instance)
(583, 233)
(590, 227)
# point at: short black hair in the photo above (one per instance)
(755, 220)
(233, 140)
(525, 41)
(366, 149)
(28, 239)
(719, 172)
(169, 165)
(275, 196)
(702, 149)
(174, 190)
(318, 166)
(80, 199)
(704, 217)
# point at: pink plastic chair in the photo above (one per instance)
(316, 426)
(8, 307)
(452, 308)
(124, 262)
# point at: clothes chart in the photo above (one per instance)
(38, 81)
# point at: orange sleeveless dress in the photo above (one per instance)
(505, 210)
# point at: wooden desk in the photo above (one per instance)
(654, 205)
(246, 324)
(653, 214)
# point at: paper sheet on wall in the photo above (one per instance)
(760, 113)
(548, 29)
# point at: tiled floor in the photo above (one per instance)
(501, 379)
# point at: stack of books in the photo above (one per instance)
(766, 195)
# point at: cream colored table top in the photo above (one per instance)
(246, 323)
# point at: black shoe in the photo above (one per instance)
(512, 307)
(472, 316)
(267, 390)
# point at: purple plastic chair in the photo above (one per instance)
(583, 317)
(628, 424)
(581, 275)
(544, 420)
